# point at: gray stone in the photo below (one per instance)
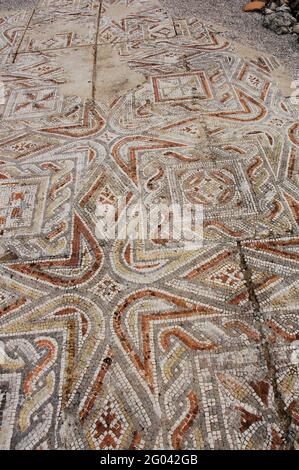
(279, 21)
(268, 11)
(295, 28)
(272, 6)
(283, 8)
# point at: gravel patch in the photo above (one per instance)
(243, 27)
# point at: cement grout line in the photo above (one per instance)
(284, 416)
(22, 38)
(55, 49)
(83, 45)
(95, 56)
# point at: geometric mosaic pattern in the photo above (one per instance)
(130, 345)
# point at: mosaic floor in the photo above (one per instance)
(130, 345)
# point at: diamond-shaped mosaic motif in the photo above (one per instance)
(181, 87)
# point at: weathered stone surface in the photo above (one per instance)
(113, 76)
